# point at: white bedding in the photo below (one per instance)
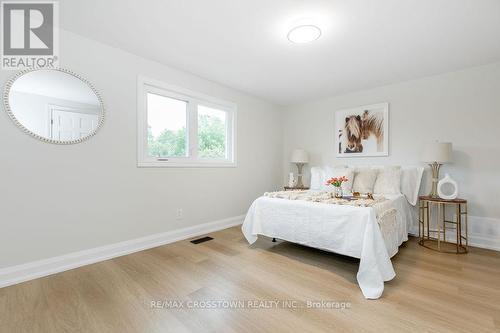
(347, 230)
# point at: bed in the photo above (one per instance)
(372, 234)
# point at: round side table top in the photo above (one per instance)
(429, 198)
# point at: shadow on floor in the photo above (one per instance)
(343, 266)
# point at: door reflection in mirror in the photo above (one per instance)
(55, 105)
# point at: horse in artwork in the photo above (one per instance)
(353, 129)
(358, 128)
(373, 124)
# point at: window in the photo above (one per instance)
(181, 128)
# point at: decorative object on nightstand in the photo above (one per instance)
(300, 157)
(435, 239)
(291, 180)
(443, 183)
(436, 154)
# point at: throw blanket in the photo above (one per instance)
(384, 211)
(324, 197)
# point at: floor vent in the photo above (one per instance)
(201, 240)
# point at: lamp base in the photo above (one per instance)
(435, 179)
(299, 176)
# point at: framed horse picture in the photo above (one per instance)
(362, 131)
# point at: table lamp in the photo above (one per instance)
(300, 157)
(436, 154)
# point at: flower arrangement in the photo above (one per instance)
(337, 181)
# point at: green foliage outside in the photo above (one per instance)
(168, 143)
(211, 140)
(211, 137)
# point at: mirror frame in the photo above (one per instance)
(8, 86)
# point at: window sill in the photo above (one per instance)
(176, 164)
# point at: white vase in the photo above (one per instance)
(291, 180)
(337, 191)
(447, 180)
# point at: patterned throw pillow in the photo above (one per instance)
(388, 180)
(364, 180)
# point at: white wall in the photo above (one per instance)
(60, 199)
(462, 107)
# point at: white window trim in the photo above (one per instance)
(144, 85)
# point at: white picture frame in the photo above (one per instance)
(362, 131)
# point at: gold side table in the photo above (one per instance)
(435, 239)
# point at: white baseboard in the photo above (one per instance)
(484, 232)
(33, 270)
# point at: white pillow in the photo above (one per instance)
(330, 172)
(317, 178)
(364, 180)
(388, 180)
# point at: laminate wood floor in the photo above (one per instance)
(145, 292)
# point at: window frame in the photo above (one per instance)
(193, 99)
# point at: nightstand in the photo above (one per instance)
(435, 239)
(288, 188)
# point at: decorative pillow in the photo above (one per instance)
(338, 172)
(364, 180)
(388, 180)
(317, 178)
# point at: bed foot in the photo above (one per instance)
(274, 240)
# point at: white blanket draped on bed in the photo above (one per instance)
(347, 230)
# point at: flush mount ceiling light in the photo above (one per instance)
(304, 34)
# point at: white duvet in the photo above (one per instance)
(347, 230)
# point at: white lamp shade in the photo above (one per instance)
(300, 156)
(439, 152)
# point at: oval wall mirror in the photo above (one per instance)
(54, 105)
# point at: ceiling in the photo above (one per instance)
(243, 44)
